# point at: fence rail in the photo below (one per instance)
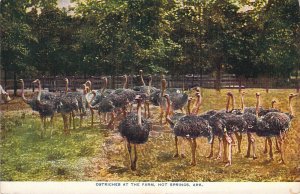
(182, 81)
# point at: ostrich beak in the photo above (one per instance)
(36, 81)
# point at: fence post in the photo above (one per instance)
(240, 85)
(43, 82)
(183, 82)
(298, 85)
(33, 86)
(267, 85)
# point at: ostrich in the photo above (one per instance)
(246, 124)
(178, 100)
(217, 122)
(4, 96)
(275, 124)
(30, 102)
(80, 98)
(174, 119)
(191, 127)
(145, 92)
(69, 102)
(115, 101)
(46, 108)
(264, 112)
(135, 130)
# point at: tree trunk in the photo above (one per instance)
(15, 84)
(218, 77)
(5, 78)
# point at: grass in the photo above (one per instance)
(100, 155)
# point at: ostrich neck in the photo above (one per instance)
(243, 104)
(104, 86)
(257, 105)
(150, 82)
(142, 79)
(189, 107)
(168, 107)
(163, 88)
(273, 106)
(232, 102)
(125, 83)
(139, 114)
(291, 107)
(227, 104)
(67, 87)
(197, 105)
(40, 93)
(23, 95)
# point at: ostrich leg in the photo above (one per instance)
(51, 129)
(92, 117)
(270, 145)
(133, 165)
(249, 145)
(252, 139)
(277, 146)
(239, 140)
(211, 148)
(176, 147)
(225, 158)
(266, 146)
(148, 108)
(111, 123)
(73, 118)
(42, 127)
(220, 149)
(129, 151)
(229, 141)
(193, 148)
(161, 116)
(281, 143)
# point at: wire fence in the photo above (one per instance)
(179, 81)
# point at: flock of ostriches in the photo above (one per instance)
(135, 126)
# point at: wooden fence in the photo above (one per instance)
(183, 81)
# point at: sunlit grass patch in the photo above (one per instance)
(99, 154)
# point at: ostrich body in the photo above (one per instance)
(115, 101)
(4, 98)
(246, 125)
(173, 120)
(135, 130)
(276, 124)
(218, 124)
(46, 108)
(191, 127)
(264, 112)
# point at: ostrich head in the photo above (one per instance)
(88, 83)
(229, 94)
(138, 98)
(273, 103)
(292, 95)
(36, 81)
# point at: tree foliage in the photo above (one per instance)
(122, 36)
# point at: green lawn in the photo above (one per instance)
(98, 154)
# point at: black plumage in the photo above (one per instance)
(273, 124)
(135, 133)
(193, 126)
